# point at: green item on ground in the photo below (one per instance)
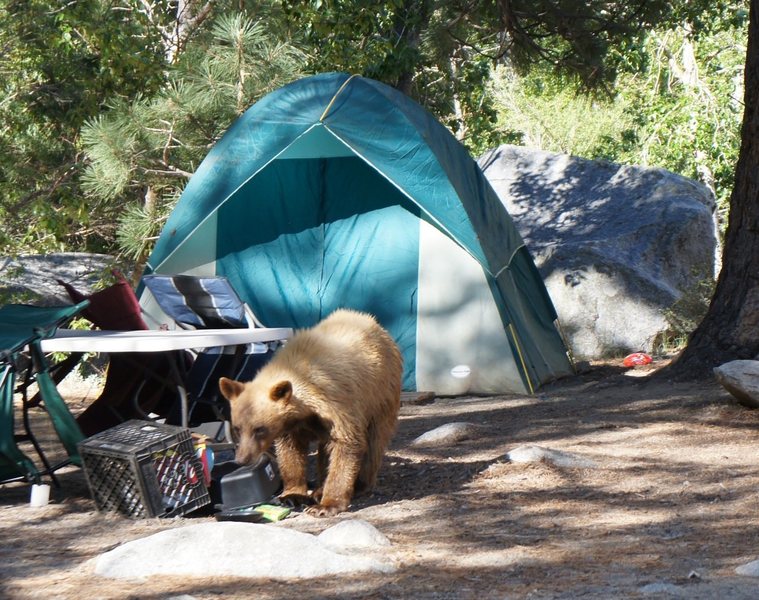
(271, 512)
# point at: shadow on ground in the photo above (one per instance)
(671, 501)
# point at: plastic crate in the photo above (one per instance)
(144, 469)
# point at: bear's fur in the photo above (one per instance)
(339, 384)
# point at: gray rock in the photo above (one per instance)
(749, 569)
(741, 379)
(532, 454)
(447, 434)
(670, 589)
(32, 279)
(231, 549)
(351, 535)
(617, 245)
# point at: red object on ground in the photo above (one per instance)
(637, 358)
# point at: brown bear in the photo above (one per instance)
(337, 383)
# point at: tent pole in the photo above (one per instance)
(570, 354)
(521, 358)
(337, 93)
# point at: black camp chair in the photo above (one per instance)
(194, 302)
(21, 328)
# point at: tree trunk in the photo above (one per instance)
(139, 264)
(730, 329)
(408, 32)
(189, 16)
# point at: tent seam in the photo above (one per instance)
(432, 219)
(521, 357)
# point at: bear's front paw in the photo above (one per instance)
(325, 510)
(295, 500)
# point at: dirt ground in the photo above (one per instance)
(669, 510)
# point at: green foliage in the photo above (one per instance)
(373, 39)
(543, 110)
(138, 227)
(442, 52)
(677, 104)
(688, 108)
(108, 104)
(60, 62)
(115, 141)
(141, 152)
(16, 296)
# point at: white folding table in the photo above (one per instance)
(152, 340)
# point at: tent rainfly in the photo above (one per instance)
(340, 191)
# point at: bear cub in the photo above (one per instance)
(337, 384)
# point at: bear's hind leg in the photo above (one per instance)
(322, 467)
(379, 433)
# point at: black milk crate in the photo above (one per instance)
(144, 469)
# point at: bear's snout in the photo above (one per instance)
(248, 452)
(245, 458)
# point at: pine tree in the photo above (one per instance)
(141, 153)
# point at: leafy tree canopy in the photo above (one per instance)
(110, 104)
(60, 63)
(679, 108)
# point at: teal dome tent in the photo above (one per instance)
(340, 191)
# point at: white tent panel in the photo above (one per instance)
(462, 346)
(197, 256)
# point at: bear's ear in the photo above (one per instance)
(230, 388)
(281, 391)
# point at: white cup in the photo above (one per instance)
(40, 495)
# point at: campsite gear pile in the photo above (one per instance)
(138, 467)
(340, 191)
(146, 469)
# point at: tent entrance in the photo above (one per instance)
(317, 142)
(308, 236)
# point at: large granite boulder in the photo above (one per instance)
(617, 245)
(31, 279)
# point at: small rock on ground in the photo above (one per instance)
(351, 535)
(670, 589)
(749, 569)
(741, 379)
(531, 454)
(450, 433)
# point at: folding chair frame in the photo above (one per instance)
(48, 396)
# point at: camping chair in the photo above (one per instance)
(209, 303)
(135, 384)
(23, 326)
